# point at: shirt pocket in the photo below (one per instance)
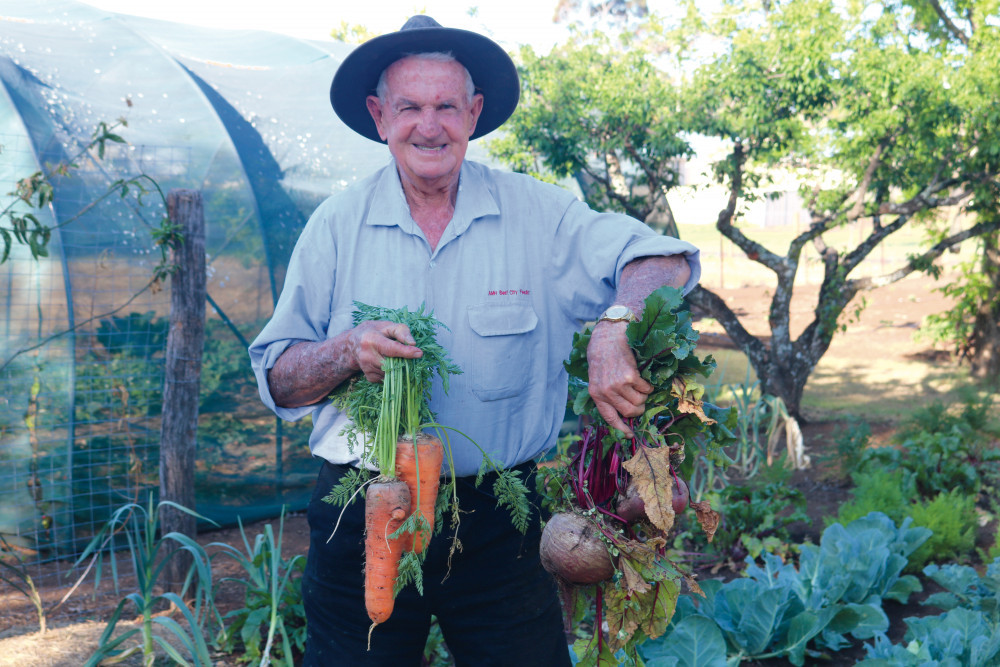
(502, 350)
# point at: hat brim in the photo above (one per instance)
(492, 71)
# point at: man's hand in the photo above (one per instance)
(371, 342)
(307, 372)
(615, 384)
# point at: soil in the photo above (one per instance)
(881, 338)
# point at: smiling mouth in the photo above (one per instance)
(429, 149)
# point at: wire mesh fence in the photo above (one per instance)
(81, 371)
(82, 349)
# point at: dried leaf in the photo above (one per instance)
(686, 401)
(650, 470)
(646, 561)
(707, 517)
(634, 581)
(693, 586)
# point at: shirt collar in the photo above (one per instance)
(389, 208)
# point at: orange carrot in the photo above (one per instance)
(425, 458)
(387, 504)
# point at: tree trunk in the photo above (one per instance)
(984, 343)
(182, 377)
(782, 366)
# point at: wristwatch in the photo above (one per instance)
(618, 313)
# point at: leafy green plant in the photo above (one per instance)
(273, 610)
(849, 446)
(755, 519)
(15, 574)
(149, 554)
(886, 491)
(776, 610)
(967, 634)
(964, 587)
(938, 462)
(940, 450)
(951, 516)
(436, 653)
(135, 335)
(758, 426)
(958, 637)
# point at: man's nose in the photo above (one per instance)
(429, 122)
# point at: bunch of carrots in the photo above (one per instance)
(388, 421)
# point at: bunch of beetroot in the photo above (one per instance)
(615, 499)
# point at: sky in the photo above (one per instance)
(510, 22)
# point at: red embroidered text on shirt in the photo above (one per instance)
(508, 292)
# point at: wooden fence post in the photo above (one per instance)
(182, 376)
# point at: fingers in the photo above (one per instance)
(618, 390)
(374, 342)
(617, 402)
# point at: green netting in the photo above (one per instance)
(241, 116)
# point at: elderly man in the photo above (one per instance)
(512, 267)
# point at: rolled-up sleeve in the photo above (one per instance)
(591, 249)
(302, 313)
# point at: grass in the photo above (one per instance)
(886, 389)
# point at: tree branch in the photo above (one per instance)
(925, 200)
(609, 190)
(925, 259)
(715, 306)
(755, 251)
(657, 190)
(858, 209)
(949, 24)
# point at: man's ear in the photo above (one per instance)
(475, 109)
(375, 109)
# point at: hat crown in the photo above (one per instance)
(420, 21)
(492, 70)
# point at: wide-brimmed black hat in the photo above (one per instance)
(493, 72)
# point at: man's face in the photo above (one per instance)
(426, 120)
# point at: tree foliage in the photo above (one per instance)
(880, 110)
(605, 116)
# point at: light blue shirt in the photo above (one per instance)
(520, 267)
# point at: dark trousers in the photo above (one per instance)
(495, 604)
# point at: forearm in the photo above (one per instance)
(307, 372)
(644, 275)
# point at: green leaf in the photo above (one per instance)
(696, 641)
(6, 245)
(410, 572)
(903, 588)
(802, 628)
(871, 620)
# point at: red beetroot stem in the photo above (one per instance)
(610, 514)
(600, 620)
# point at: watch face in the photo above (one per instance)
(616, 312)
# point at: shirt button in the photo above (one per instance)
(433, 263)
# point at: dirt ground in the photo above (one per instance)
(877, 356)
